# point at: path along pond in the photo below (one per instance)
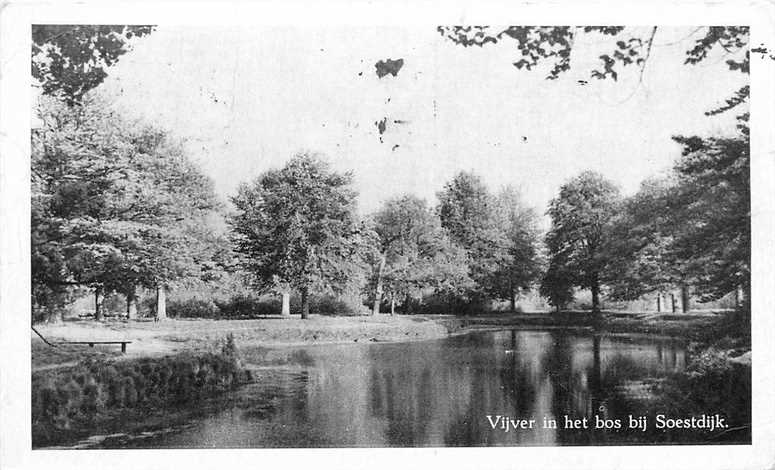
(445, 392)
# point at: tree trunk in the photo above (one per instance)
(513, 302)
(685, 307)
(659, 302)
(596, 297)
(407, 305)
(131, 304)
(673, 303)
(378, 287)
(99, 298)
(304, 303)
(392, 305)
(286, 310)
(161, 303)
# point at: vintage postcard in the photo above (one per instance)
(346, 234)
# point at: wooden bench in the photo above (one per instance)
(92, 343)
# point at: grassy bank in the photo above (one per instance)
(73, 401)
(151, 339)
(689, 325)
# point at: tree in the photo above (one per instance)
(580, 216)
(466, 208)
(520, 263)
(554, 46)
(692, 229)
(557, 283)
(415, 253)
(640, 243)
(467, 211)
(115, 204)
(405, 232)
(714, 207)
(71, 59)
(297, 226)
(714, 268)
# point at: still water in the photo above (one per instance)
(436, 393)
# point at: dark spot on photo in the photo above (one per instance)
(388, 66)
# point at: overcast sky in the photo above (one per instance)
(248, 99)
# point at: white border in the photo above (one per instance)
(15, 21)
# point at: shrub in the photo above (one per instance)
(193, 308)
(249, 306)
(147, 306)
(710, 384)
(444, 304)
(330, 305)
(63, 399)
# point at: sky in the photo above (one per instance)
(247, 99)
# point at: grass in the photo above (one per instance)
(174, 336)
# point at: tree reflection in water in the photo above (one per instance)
(439, 393)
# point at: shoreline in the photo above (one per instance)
(155, 343)
(173, 336)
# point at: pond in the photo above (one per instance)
(446, 392)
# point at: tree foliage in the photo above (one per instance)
(554, 45)
(71, 59)
(690, 229)
(581, 216)
(663, 235)
(714, 204)
(520, 262)
(115, 204)
(297, 226)
(640, 245)
(557, 283)
(418, 253)
(467, 212)
(498, 233)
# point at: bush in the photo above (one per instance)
(710, 384)
(330, 305)
(251, 306)
(240, 306)
(247, 306)
(444, 304)
(66, 399)
(193, 308)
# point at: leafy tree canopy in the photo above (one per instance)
(114, 203)
(418, 253)
(554, 46)
(520, 263)
(580, 216)
(297, 226)
(467, 212)
(640, 243)
(714, 207)
(71, 59)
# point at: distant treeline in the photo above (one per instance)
(118, 206)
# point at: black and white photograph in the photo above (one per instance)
(273, 235)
